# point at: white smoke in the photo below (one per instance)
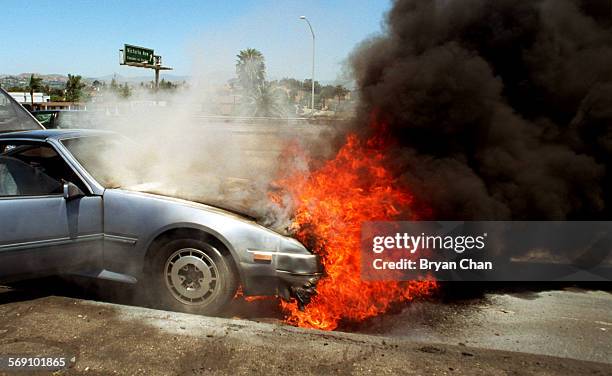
(182, 150)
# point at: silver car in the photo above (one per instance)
(57, 217)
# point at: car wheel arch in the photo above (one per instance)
(190, 232)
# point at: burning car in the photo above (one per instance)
(60, 214)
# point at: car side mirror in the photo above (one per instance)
(71, 191)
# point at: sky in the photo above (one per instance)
(196, 38)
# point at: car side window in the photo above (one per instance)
(31, 168)
(17, 178)
(8, 187)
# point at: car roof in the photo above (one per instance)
(56, 134)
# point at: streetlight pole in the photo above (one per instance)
(313, 65)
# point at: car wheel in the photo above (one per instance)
(193, 276)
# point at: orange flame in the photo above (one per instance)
(330, 205)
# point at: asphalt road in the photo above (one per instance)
(571, 323)
(547, 332)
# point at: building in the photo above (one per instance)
(70, 106)
(43, 102)
(23, 97)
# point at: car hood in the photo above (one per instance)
(235, 206)
(193, 203)
(236, 196)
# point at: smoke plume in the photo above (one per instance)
(175, 148)
(501, 109)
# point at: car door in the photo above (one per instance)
(41, 232)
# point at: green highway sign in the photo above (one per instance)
(141, 57)
(138, 55)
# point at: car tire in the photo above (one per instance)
(192, 276)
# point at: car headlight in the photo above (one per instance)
(289, 245)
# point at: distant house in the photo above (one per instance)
(23, 97)
(43, 102)
(71, 106)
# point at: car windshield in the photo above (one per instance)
(13, 117)
(110, 159)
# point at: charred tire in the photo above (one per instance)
(192, 276)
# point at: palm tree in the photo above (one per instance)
(340, 93)
(250, 68)
(266, 100)
(34, 84)
(261, 98)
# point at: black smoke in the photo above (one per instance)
(502, 109)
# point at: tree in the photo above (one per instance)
(327, 92)
(250, 69)
(55, 94)
(125, 91)
(16, 88)
(260, 97)
(74, 88)
(307, 86)
(293, 86)
(266, 100)
(167, 85)
(341, 92)
(34, 84)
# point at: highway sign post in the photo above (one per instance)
(141, 57)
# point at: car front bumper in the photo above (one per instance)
(286, 275)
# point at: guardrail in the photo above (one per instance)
(273, 120)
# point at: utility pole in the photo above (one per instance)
(156, 78)
(313, 65)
